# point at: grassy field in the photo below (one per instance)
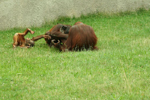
(119, 70)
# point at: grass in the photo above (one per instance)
(118, 71)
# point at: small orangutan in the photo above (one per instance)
(19, 39)
(81, 36)
(58, 30)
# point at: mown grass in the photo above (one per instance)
(119, 70)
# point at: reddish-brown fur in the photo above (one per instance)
(80, 37)
(78, 23)
(19, 39)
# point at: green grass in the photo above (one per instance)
(118, 71)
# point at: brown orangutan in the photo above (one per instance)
(19, 39)
(80, 37)
(58, 30)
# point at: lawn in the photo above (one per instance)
(119, 70)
